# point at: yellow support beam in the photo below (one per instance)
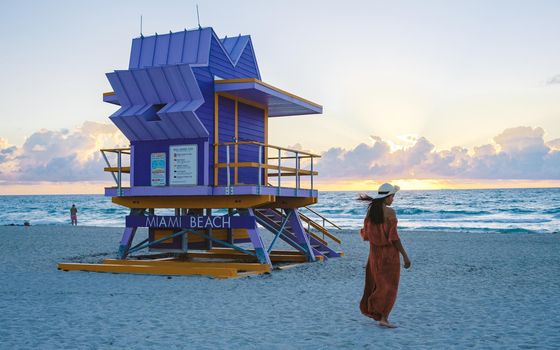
(316, 237)
(285, 169)
(114, 169)
(275, 256)
(291, 202)
(212, 202)
(216, 136)
(262, 268)
(151, 270)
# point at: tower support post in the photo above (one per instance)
(256, 240)
(126, 241)
(299, 232)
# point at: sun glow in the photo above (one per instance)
(433, 184)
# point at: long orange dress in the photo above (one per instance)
(382, 270)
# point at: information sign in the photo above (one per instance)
(157, 166)
(183, 165)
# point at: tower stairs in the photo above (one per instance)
(278, 222)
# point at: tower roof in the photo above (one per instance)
(191, 47)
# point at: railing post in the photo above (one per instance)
(119, 174)
(279, 169)
(260, 170)
(227, 171)
(297, 173)
(109, 165)
(216, 169)
(311, 175)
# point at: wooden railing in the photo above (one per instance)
(119, 169)
(276, 166)
(263, 162)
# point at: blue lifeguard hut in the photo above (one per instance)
(196, 111)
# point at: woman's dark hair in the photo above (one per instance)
(375, 208)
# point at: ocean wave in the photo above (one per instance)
(516, 210)
(552, 211)
(472, 229)
(444, 210)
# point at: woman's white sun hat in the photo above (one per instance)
(386, 190)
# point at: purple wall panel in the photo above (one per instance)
(131, 177)
(144, 149)
(177, 242)
(226, 133)
(250, 128)
(206, 111)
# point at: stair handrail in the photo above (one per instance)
(318, 227)
(311, 222)
(324, 218)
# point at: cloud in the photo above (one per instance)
(58, 156)
(554, 80)
(61, 155)
(554, 144)
(516, 153)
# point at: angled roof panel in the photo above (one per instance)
(131, 87)
(189, 46)
(177, 83)
(118, 89)
(235, 46)
(160, 84)
(146, 86)
(279, 102)
(161, 50)
(176, 44)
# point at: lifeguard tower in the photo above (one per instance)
(202, 175)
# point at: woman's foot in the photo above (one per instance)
(385, 323)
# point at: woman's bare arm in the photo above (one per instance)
(400, 248)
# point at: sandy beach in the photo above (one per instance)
(463, 291)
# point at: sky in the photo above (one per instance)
(429, 94)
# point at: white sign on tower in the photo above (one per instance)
(183, 165)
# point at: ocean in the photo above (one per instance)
(496, 210)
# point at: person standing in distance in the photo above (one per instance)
(74, 215)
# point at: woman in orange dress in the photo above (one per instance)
(383, 266)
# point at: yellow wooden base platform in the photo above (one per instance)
(217, 263)
(225, 253)
(171, 267)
